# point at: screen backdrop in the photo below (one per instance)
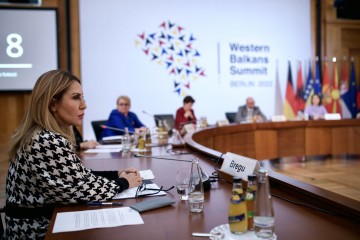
(28, 46)
(219, 52)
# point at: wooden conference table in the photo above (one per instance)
(292, 221)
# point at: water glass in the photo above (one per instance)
(182, 183)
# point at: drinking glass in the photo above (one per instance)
(183, 185)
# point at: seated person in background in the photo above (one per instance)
(249, 112)
(44, 170)
(80, 143)
(121, 117)
(185, 114)
(316, 110)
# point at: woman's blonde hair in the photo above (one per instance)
(123, 97)
(49, 87)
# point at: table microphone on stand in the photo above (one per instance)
(151, 115)
(115, 129)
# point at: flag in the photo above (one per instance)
(344, 88)
(290, 102)
(317, 83)
(326, 90)
(335, 92)
(349, 98)
(309, 89)
(278, 99)
(299, 97)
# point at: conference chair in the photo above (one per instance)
(231, 117)
(168, 117)
(96, 125)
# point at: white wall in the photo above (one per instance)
(113, 61)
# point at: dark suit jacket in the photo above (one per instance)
(241, 115)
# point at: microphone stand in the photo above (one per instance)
(116, 129)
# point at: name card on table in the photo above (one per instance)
(239, 166)
(221, 123)
(278, 118)
(332, 116)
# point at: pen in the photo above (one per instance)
(104, 203)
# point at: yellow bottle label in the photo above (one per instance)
(238, 213)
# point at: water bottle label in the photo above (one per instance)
(238, 218)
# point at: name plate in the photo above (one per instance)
(221, 123)
(278, 118)
(239, 166)
(332, 116)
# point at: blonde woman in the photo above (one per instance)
(44, 169)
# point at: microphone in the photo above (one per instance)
(151, 115)
(116, 129)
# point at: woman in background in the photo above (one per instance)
(121, 118)
(316, 110)
(185, 114)
(44, 169)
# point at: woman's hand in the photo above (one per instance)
(133, 178)
(140, 130)
(188, 114)
(129, 170)
(88, 144)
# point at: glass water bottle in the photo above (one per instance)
(196, 188)
(126, 142)
(263, 211)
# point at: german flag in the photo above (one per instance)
(290, 101)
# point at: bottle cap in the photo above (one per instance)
(237, 179)
(263, 172)
(251, 177)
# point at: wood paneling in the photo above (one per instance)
(291, 141)
(266, 146)
(340, 37)
(317, 140)
(273, 140)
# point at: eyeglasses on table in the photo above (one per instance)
(142, 188)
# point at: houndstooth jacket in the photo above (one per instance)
(48, 172)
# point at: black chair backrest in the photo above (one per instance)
(96, 125)
(168, 117)
(231, 117)
(2, 223)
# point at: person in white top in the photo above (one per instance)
(316, 110)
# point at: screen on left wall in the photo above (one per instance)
(28, 46)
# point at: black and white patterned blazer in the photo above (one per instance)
(48, 172)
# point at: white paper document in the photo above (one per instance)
(147, 174)
(130, 193)
(100, 218)
(107, 148)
